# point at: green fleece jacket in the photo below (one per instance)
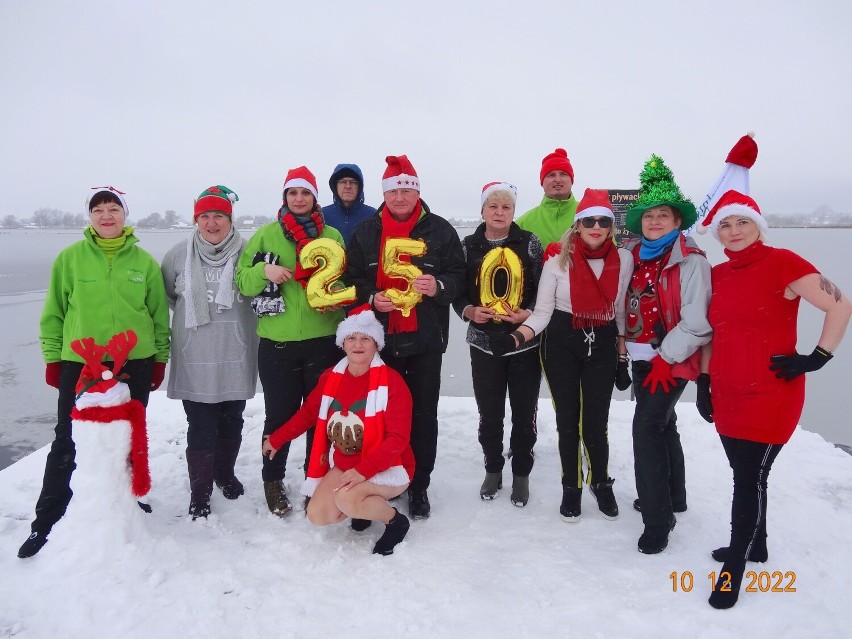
(550, 219)
(89, 296)
(299, 321)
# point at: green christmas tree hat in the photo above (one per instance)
(658, 188)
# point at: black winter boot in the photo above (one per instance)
(520, 491)
(655, 540)
(572, 498)
(395, 531)
(492, 483)
(226, 457)
(32, 545)
(200, 465)
(602, 492)
(418, 503)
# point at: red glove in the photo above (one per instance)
(157, 375)
(553, 249)
(51, 373)
(660, 375)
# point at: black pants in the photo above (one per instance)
(751, 463)
(520, 375)
(208, 423)
(657, 453)
(56, 486)
(580, 370)
(422, 374)
(289, 371)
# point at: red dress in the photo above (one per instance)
(752, 320)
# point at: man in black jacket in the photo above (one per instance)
(413, 308)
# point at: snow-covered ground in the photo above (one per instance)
(474, 569)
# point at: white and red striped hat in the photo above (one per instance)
(400, 174)
(732, 203)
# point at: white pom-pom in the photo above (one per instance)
(232, 197)
(106, 375)
(750, 134)
(702, 230)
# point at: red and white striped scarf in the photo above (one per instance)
(374, 427)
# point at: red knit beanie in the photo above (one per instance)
(556, 161)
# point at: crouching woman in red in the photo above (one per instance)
(362, 408)
(756, 375)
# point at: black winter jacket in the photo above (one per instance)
(444, 260)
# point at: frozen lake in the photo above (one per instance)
(27, 404)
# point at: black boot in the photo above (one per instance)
(226, 456)
(726, 590)
(572, 499)
(395, 531)
(200, 465)
(602, 492)
(360, 525)
(32, 545)
(276, 497)
(418, 503)
(655, 539)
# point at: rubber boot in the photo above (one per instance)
(200, 465)
(226, 457)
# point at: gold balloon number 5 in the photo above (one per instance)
(501, 259)
(396, 247)
(324, 289)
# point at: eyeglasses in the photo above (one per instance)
(603, 222)
(347, 182)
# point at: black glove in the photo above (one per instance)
(702, 398)
(791, 366)
(622, 376)
(501, 343)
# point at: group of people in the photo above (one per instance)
(549, 292)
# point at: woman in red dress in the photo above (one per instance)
(756, 374)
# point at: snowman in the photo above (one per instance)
(112, 448)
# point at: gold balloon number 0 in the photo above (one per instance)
(497, 259)
(395, 247)
(324, 289)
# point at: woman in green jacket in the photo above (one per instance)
(297, 342)
(99, 286)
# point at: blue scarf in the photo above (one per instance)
(654, 248)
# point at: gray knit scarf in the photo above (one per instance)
(224, 254)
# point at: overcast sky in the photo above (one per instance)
(163, 99)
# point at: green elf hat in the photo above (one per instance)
(215, 198)
(658, 188)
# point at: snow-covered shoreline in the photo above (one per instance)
(475, 569)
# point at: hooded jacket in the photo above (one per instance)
(550, 219)
(346, 219)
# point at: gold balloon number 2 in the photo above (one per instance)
(501, 259)
(324, 289)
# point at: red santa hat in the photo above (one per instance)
(556, 161)
(733, 203)
(301, 177)
(361, 320)
(494, 187)
(400, 174)
(595, 203)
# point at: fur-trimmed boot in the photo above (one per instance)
(226, 457)
(200, 465)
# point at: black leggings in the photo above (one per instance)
(580, 370)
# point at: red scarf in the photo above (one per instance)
(593, 298)
(391, 227)
(301, 229)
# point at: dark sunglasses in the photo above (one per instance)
(603, 222)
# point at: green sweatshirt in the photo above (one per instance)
(550, 219)
(91, 296)
(299, 321)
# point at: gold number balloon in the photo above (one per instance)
(395, 247)
(324, 288)
(501, 258)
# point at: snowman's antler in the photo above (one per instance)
(119, 348)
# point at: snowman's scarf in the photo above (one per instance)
(374, 426)
(133, 412)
